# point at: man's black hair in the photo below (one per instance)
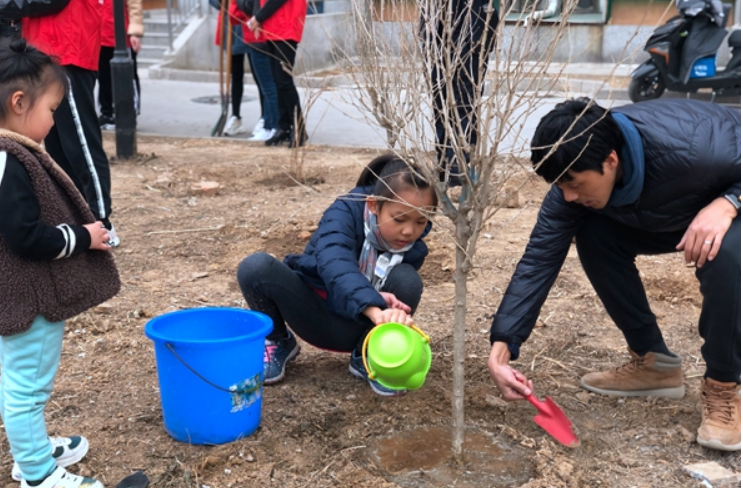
(25, 68)
(586, 145)
(390, 175)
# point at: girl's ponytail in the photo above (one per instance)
(389, 175)
(25, 68)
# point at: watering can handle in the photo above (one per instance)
(366, 343)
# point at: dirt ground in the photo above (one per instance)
(321, 427)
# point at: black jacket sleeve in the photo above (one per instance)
(17, 9)
(270, 8)
(557, 223)
(20, 227)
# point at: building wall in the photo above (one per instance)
(325, 35)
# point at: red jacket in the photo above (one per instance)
(108, 32)
(73, 35)
(236, 16)
(287, 24)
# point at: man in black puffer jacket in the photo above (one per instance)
(656, 177)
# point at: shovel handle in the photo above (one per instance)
(539, 405)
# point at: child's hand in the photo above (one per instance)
(98, 236)
(392, 302)
(379, 316)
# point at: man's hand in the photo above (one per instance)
(512, 384)
(392, 302)
(701, 241)
(379, 316)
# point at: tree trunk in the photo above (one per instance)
(460, 327)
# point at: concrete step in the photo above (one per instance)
(145, 63)
(152, 52)
(157, 38)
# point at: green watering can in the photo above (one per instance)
(397, 356)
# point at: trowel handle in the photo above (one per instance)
(539, 405)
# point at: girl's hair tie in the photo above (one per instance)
(18, 46)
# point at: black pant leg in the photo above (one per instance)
(137, 86)
(283, 55)
(719, 323)
(474, 34)
(105, 86)
(75, 142)
(238, 76)
(607, 251)
(271, 287)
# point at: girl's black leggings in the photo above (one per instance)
(271, 287)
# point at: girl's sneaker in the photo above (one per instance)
(259, 126)
(234, 126)
(275, 356)
(357, 369)
(60, 478)
(66, 451)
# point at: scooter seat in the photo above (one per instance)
(734, 39)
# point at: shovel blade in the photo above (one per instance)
(552, 419)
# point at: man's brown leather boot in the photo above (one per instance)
(653, 374)
(720, 427)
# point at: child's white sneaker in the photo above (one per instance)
(234, 126)
(60, 478)
(66, 451)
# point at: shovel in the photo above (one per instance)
(224, 78)
(552, 419)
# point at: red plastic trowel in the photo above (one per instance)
(553, 420)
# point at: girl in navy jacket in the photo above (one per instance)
(359, 269)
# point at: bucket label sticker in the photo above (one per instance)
(245, 393)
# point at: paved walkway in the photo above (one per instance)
(172, 107)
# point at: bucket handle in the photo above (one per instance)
(251, 389)
(366, 343)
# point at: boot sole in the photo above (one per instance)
(675, 393)
(292, 356)
(717, 445)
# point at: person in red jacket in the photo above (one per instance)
(134, 27)
(73, 36)
(281, 24)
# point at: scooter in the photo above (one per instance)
(683, 54)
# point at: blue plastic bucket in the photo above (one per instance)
(210, 371)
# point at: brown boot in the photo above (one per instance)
(720, 427)
(653, 374)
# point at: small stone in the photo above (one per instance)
(249, 458)
(583, 396)
(304, 235)
(712, 473)
(565, 469)
(205, 188)
(688, 436)
(495, 401)
(508, 198)
(198, 275)
(104, 308)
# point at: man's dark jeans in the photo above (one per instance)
(607, 250)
